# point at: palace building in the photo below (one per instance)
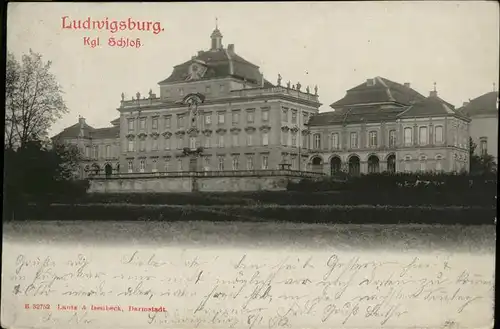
(216, 112)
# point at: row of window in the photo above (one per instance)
(285, 115)
(221, 162)
(95, 151)
(221, 117)
(221, 141)
(373, 138)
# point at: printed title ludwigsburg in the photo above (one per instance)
(111, 25)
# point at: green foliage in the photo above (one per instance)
(480, 164)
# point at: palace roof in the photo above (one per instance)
(484, 104)
(88, 132)
(219, 62)
(379, 90)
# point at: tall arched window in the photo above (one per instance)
(317, 141)
(408, 132)
(373, 139)
(335, 141)
(438, 134)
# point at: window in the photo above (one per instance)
(208, 118)
(142, 124)
(207, 141)
(221, 163)
(96, 151)
(179, 165)
(284, 115)
(306, 117)
(335, 141)
(249, 139)
(192, 143)
(130, 166)
(392, 138)
(423, 166)
(250, 162)
(179, 142)
(250, 116)
(130, 125)
(207, 163)
(180, 121)
(407, 164)
(284, 138)
(236, 117)
(422, 135)
(438, 132)
(181, 92)
(294, 116)
(154, 124)
(154, 167)
(236, 163)
(294, 162)
(373, 139)
(265, 115)
(265, 162)
(483, 146)
(167, 143)
(220, 142)
(354, 140)
(108, 151)
(408, 136)
(265, 138)
(235, 140)
(142, 165)
(167, 165)
(142, 145)
(221, 118)
(294, 139)
(438, 163)
(167, 122)
(154, 147)
(130, 146)
(208, 90)
(317, 141)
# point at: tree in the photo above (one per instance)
(33, 99)
(480, 164)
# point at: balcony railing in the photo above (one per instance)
(275, 91)
(223, 173)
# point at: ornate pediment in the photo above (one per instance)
(193, 131)
(180, 132)
(154, 134)
(142, 135)
(167, 134)
(130, 136)
(221, 130)
(305, 132)
(250, 129)
(285, 128)
(265, 128)
(294, 129)
(235, 130)
(207, 132)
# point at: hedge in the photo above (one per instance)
(310, 214)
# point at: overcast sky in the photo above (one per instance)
(334, 45)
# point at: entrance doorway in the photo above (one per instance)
(108, 170)
(193, 164)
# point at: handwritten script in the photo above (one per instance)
(237, 288)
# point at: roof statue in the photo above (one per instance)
(138, 95)
(279, 79)
(316, 90)
(150, 93)
(307, 89)
(288, 84)
(123, 97)
(298, 85)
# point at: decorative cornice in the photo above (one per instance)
(193, 131)
(207, 132)
(167, 134)
(221, 130)
(180, 132)
(235, 130)
(295, 129)
(285, 128)
(142, 134)
(250, 129)
(130, 136)
(154, 134)
(265, 128)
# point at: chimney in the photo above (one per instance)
(433, 93)
(465, 104)
(407, 84)
(81, 120)
(230, 48)
(193, 57)
(370, 82)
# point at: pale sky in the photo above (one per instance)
(333, 45)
